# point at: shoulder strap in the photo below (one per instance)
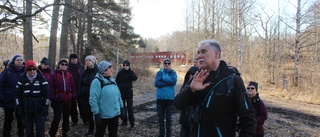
(230, 85)
(103, 83)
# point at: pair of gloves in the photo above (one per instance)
(97, 117)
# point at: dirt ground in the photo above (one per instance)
(285, 118)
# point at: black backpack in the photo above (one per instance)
(103, 83)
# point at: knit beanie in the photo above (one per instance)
(167, 61)
(44, 61)
(103, 65)
(72, 56)
(126, 62)
(255, 84)
(14, 58)
(92, 58)
(30, 63)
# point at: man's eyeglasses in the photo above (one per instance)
(32, 69)
(250, 88)
(63, 64)
(166, 63)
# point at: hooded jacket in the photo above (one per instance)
(8, 81)
(46, 72)
(62, 86)
(164, 82)
(124, 80)
(217, 113)
(105, 101)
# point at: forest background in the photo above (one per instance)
(280, 50)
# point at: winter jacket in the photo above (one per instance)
(32, 97)
(124, 80)
(46, 72)
(86, 78)
(8, 81)
(105, 101)
(217, 113)
(164, 82)
(62, 86)
(260, 112)
(75, 70)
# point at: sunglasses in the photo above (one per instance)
(63, 64)
(108, 68)
(32, 69)
(250, 88)
(166, 63)
(125, 65)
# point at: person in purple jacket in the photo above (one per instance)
(45, 69)
(8, 81)
(62, 91)
(258, 107)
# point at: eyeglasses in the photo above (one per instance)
(250, 88)
(32, 69)
(125, 65)
(166, 63)
(64, 64)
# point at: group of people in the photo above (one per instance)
(212, 99)
(27, 90)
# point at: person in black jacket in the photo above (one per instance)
(8, 81)
(86, 78)
(124, 80)
(32, 99)
(215, 108)
(183, 120)
(75, 69)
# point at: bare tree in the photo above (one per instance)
(65, 29)
(27, 32)
(53, 33)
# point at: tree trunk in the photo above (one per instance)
(89, 27)
(53, 34)
(297, 45)
(27, 32)
(65, 29)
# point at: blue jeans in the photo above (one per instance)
(165, 109)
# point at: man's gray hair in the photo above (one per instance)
(215, 44)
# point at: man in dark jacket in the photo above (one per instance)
(32, 99)
(75, 69)
(215, 108)
(124, 80)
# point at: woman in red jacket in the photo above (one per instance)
(62, 91)
(258, 107)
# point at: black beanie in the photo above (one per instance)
(44, 61)
(255, 84)
(72, 56)
(126, 62)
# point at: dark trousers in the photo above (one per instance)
(88, 114)
(38, 120)
(185, 131)
(74, 111)
(112, 124)
(165, 109)
(128, 105)
(60, 108)
(8, 119)
(82, 112)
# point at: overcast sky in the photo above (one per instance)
(153, 18)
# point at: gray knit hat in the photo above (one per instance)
(103, 65)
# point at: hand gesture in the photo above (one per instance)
(198, 79)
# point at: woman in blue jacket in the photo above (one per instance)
(105, 101)
(8, 81)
